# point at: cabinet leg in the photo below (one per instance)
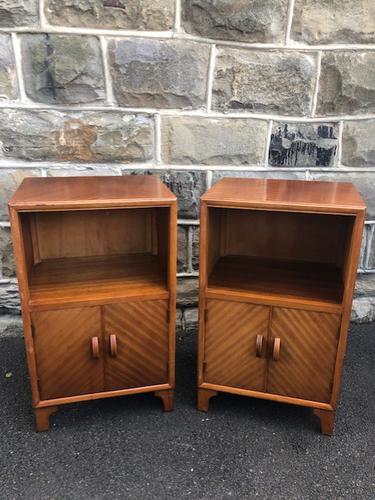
(204, 396)
(167, 398)
(327, 420)
(42, 417)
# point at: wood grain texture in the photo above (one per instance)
(292, 248)
(277, 281)
(230, 344)
(142, 344)
(71, 254)
(65, 364)
(307, 355)
(51, 193)
(96, 280)
(289, 195)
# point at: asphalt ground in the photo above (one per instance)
(242, 448)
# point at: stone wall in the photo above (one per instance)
(190, 90)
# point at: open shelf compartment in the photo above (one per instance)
(98, 256)
(278, 256)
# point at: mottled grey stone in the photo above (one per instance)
(8, 78)
(264, 174)
(9, 298)
(358, 144)
(347, 83)
(63, 69)
(81, 171)
(195, 248)
(187, 186)
(213, 141)
(80, 137)
(364, 182)
(363, 251)
(365, 285)
(159, 73)
(10, 325)
(8, 269)
(182, 249)
(239, 20)
(187, 292)
(112, 14)
(334, 21)
(363, 310)
(190, 319)
(9, 181)
(264, 82)
(371, 254)
(19, 13)
(303, 144)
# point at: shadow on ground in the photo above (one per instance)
(242, 448)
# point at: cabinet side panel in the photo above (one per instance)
(307, 353)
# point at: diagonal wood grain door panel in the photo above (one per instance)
(62, 340)
(141, 331)
(230, 344)
(307, 353)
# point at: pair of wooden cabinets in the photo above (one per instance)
(96, 265)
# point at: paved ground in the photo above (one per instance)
(243, 448)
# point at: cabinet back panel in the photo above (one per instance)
(92, 233)
(289, 236)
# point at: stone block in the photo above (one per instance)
(195, 248)
(9, 298)
(347, 83)
(363, 310)
(7, 269)
(112, 14)
(159, 73)
(19, 13)
(336, 21)
(187, 292)
(264, 174)
(188, 186)
(8, 78)
(264, 82)
(80, 137)
(182, 249)
(303, 144)
(63, 69)
(371, 253)
(10, 325)
(358, 145)
(365, 285)
(364, 182)
(190, 319)
(213, 141)
(9, 181)
(243, 21)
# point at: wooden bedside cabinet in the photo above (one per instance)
(96, 267)
(278, 262)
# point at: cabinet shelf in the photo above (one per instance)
(96, 279)
(278, 281)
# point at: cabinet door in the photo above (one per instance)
(68, 349)
(232, 331)
(307, 353)
(136, 340)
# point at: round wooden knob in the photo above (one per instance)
(113, 345)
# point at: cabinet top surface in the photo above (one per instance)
(85, 192)
(285, 195)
